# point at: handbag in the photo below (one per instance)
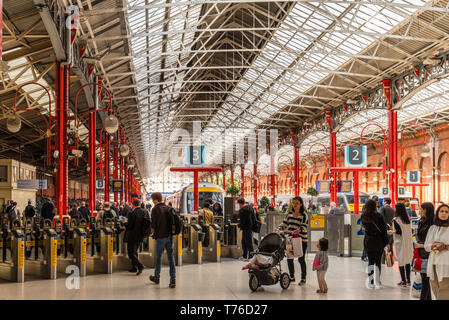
(389, 258)
(416, 288)
(294, 248)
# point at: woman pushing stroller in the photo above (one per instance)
(296, 224)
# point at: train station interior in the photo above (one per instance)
(244, 117)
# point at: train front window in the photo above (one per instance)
(362, 199)
(202, 197)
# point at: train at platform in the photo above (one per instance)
(182, 200)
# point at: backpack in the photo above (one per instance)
(146, 225)
(256, 222)
(175, 222)
(108, 214)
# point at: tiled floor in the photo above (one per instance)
(225, 280)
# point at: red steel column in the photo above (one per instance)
(255, 186)
(273, 185)
(392, 143)
(195, 191)
(232, 175)
(242, 175)
(107, 163)
(115, 176)
(121, 177)
(333, 164)
(224, 180)
(92, 161)
(356, 192)
(61, 139)
(296, 163)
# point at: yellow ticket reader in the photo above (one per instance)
(13, 253)
(45, 265)
(100, 261)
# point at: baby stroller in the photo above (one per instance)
(268, 258)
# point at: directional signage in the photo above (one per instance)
(195, 155)
(117, 185)
(323, 186)
(401, 191)
(413, 177)
(43, 184)
(385, 191)
(346, 186)
(355, 157)
(100, 184)
(28, 184)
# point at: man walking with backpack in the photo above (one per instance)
(246, 223)
(136, 228)
(162, 225)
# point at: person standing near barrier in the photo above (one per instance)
(375, 241)
(296, 222)
(30, 210)
(137, 219)
(160, 223)
(246, 221)
(426, 221)
(403, 243)
(47, 211)
(84, 210)
(437, 243)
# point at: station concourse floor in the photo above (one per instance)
(222, 281)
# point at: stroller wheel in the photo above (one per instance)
(253, 282)
(285, 280)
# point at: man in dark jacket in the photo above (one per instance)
(246, 218)
(387, 213)
(84, 210)
(47, 210)
(126, 210)
(134, 234)
(160, 223)
(30, 210)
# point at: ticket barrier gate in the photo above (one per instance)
(42, 263)
(212, 252)
(13, 252)
(101, 240)
(192, 243)
(73, 241)
(232, 241)
(120, 253)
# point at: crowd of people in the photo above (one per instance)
(386, 228)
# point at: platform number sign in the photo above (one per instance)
(100, 184)
(413, 177)
(401, 191)
(195, 155)
(355, 157)
(385, 191)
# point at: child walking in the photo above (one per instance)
(320, 264)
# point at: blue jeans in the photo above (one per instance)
(167, 244)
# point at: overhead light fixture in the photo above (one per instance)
(111, 124)
(425, 152)
(13, 124)
(124, 150)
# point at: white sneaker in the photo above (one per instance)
(243, 259)
(371, 286)
(377, 286)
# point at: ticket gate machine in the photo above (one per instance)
(232, 244)
(44, 266)
(212, 252)
(192, 246)
(74, 241)
(102, 262)
(12, 264)
(120, 255)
